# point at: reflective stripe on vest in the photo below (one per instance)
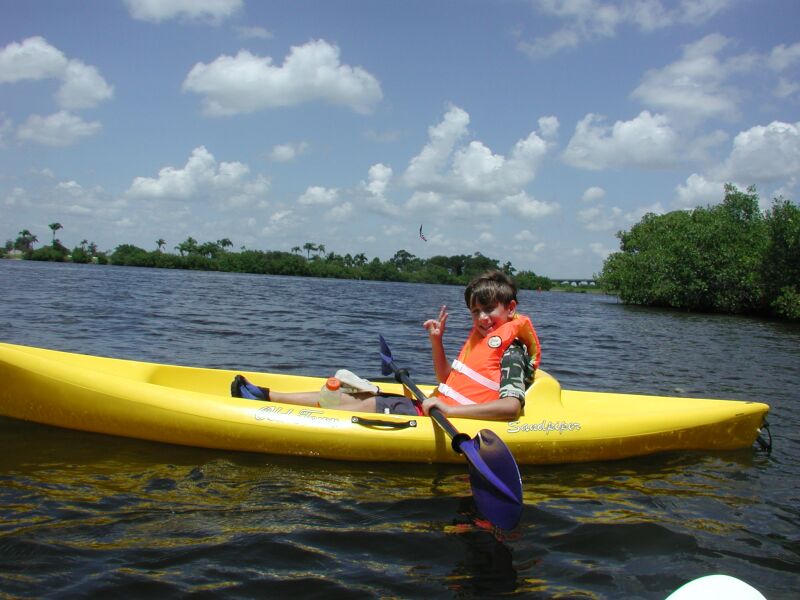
(475, 376)
(451, 393)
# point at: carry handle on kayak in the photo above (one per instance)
(378, 423)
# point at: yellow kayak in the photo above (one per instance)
(192, 406)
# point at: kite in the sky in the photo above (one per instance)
(421, 236)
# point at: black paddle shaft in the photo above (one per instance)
(455, 436)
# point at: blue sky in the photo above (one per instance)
(530, 131)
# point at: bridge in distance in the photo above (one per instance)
(573, 281)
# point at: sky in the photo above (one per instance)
(531, 131)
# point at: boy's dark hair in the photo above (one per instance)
(490, 288)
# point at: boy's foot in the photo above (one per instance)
(241, 388)
(352, 382)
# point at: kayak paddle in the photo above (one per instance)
(493, 472)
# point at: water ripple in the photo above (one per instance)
(95, 516)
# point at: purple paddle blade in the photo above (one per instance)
(386, 357)
(498, 496)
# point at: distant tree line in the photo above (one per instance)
(86, 252)
(403, 266)
(217, 256)
(727, 258)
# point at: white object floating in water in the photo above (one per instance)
(716, 586)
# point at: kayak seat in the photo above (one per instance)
(545, 389)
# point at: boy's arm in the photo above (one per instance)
(508, 406)
(516, 374)
(502, 409)
(436, 329)
(440, 364)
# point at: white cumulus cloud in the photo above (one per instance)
(32, 59)
(524, 236)
(259, 33)
(548, 127)
(764, 153)
(82, 86)
(590, 20)
(648, 141)
(287, 152)
(782, 56)
(598, 218)
(459, 208)
(697, 87)
(698, 191)
(635, 215)
(317, 195)
(59, 129)
(785, 88)
(529, 208)
(425, 167)
(593, 194)
(157, 11)
(601, 250)
(279, 221)
(375, 187)
(17, 198)
(201, 178)
(473, 170)
(246, 83)
(92, 201)
(425, 201)
(341, 213)
(379, 177)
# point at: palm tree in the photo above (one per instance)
(189, 246)
(224, 243)
(209, 249)
(160, 243)
(321, 249)
(296, 249)
(55, 227)
(25, 241)
(308, 247)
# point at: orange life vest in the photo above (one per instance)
(475, 375)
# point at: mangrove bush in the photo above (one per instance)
(729, 258)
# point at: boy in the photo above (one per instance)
(490, 376)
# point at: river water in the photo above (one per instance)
(85, 515)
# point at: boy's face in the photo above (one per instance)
(486, 319)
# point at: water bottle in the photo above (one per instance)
(331, 393)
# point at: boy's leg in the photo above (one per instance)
(300, 398)
(349, 402)
(359, 403)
